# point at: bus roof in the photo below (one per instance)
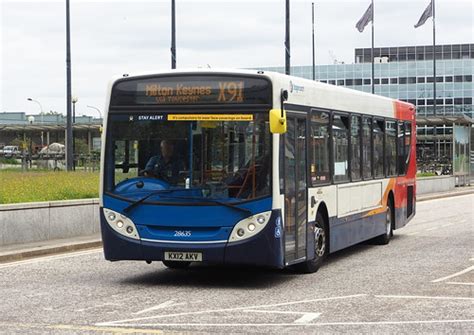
(305, 92)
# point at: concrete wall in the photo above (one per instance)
(43, 221)
(436, 184)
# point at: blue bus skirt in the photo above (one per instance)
(263, 249)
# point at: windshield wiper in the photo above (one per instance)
(222, 203)
(139, 201)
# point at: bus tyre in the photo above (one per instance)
(176, 265)
(385, 237)
(321, 247)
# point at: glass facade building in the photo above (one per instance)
(406, 73)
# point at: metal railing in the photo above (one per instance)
(50, 161)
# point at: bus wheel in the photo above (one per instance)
(385, 237)
(321, 247)
(176, 265)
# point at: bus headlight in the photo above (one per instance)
(121, 224)
(249, 227)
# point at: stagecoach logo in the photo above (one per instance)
(278, 228)
(296, 88)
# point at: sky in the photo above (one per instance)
(115, 37)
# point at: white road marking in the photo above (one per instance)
(422, 297)
(432, 228)
(459, 283)
(101, 306)
(318, 324)
(50, 258)
(454, 275)
(102, 330)
(228, 309)
(307, 316)
(165, 304)
(447, 225)
(411, 234)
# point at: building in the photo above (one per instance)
(41, 130)
(406, 73)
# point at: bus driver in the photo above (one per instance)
(165, 166)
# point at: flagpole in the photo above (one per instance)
(372, 51)
(314, 62)
(434, 59)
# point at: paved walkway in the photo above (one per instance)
(457, 191)
(18, 252)
(24, 251)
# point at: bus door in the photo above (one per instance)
(294, 157)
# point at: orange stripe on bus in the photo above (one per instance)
(383, 202)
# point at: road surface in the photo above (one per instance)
(422, 282)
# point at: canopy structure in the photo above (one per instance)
(443, 120)
(42, 134)
(31, 128)
(445, 145)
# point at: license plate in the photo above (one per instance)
(183, 256)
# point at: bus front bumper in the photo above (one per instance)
(264, 249)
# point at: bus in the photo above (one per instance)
(251, 168)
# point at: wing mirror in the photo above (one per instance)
(277, 121)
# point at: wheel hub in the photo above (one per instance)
(388, 222)
(320, 241)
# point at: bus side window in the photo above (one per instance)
(378, 139)
(356, 139)
(407, 143)
(319, 147)
(367, 147)
(391, 148)
(340, 136)
(401, 149)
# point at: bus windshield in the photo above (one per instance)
(216, 156)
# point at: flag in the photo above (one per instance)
(426, 14)
(365, 19)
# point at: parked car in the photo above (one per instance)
(10, 151)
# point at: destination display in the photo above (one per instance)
(191, 90)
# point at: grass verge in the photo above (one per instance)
(16, 186)
(425, 174)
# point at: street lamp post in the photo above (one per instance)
(68, 141)
(173, 34)
(314, 61)
(41, 113)
(40, 106)
(100, 127)
(97, 109)
(287, 38)
(74, 100)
